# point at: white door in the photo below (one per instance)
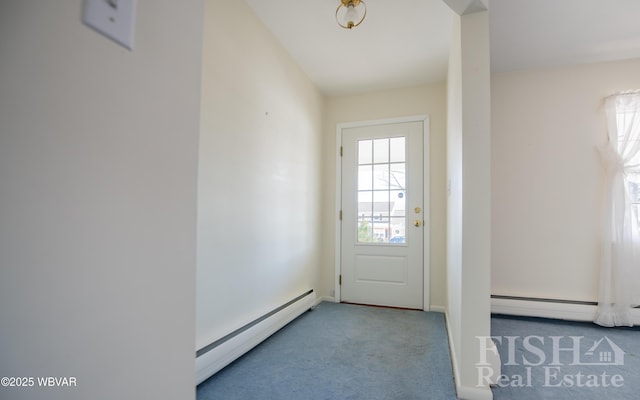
(382, 230)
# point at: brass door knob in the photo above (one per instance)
(417, 223)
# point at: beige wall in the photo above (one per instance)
(469, 201)
(259, 174)
(428, 99)
(98, 169)
(547, 178)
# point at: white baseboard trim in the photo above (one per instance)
(328, 299)
(452, 350)
(463, 392)
(439, 309)
(473, 393)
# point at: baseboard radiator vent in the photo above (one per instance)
(550, 308)
(217, 355)
(543, 308)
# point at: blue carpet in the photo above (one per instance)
(342, 351)
(587, 366)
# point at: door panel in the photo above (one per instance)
(382, 232)
(381, 269)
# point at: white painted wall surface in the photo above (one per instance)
(259, 174)
(420, 100)
(469, 206)
(98, 169)
(547, 178)
(454, 194)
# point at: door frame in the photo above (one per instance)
(427, 217)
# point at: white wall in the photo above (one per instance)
(419, 100)
(98, 165)
(469, 206)
(260, 174)
(454, 192)
(547, 178)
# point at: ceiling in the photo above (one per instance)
(406, 42)
(528, 34)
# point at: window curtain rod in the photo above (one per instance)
(623, 93)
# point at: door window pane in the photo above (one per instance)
(397, 203)
(381, 190)
(365, 151)
(396, 149)
(397, 228)
(381, 151)
(381, 198)
(381, 230)
(365, 204)
(365, 177)
(381, 177)
(397, 176)
(365, 230)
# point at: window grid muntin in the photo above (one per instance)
(382, 179)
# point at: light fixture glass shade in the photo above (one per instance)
(351, 16)
(351, 13)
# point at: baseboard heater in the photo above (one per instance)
(549, 308)
(543, 308)
(222, 352)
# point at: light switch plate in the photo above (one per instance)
(112, 18)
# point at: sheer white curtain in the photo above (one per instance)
(620, 268)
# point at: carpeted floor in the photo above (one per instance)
(342, 351)
(588, 362)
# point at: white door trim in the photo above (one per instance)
(427, 216)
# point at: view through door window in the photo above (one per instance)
(382, 190)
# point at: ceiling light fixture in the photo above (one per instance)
(348, 13)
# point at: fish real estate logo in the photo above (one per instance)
(552, 361)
